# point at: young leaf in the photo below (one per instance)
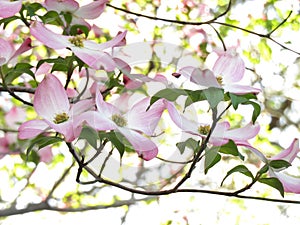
(170, 94)
(214, 96)
(240, 169)
(212, 157)
(189, 143)
(279, 164)
(256, 109)
(239, 99)
(231, 148)
(90, 135)
(273, 182)
(42, 141)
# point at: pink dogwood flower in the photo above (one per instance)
(89, 11)
(8, 52)
(220, 135)
(52, 105)
(88, 51)
(9, 8)
(133, 125)
(290, 183)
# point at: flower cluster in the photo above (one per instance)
(63, 110)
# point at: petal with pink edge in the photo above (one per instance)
(290, 184)
(290, 153)
(104, 107)
(47, 37)
(31, 129)
(145, 121)
(145, 148)
(61, 6)
(240, 89)
(92, 10)
(25, 46)
(9, 8)
(204, 78)
(50, 98)
(242, 134)
(6, 49)
(97, 120)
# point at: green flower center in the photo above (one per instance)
(60, 118)
(77, 41)
(119, 120)
(220, 80)
(204, 130)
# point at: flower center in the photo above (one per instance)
(204, 130)
(220, 80)
(77, 41)
(119, 120)
(60, 118)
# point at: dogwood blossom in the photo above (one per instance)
(88, 51)
(89, 11)
(52, 105)
(290, 183)
(221, 133)
(133, 124)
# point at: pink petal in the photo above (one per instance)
(45, 154)
(97, 121)
(114, 42)
(81, 106)
(230, 66)
(290, 153)
(15, 115)
(47, 37)
(50, 98)
(204, 78)
(92, 10)
(6, 49)
(180, 121)
(61, 6)
(240, 89)
(242, 134)
(290, 184)
(31, 129)
(145, 148)
(26, 45)
(145, 121)
(9, 8)
(260, 155)
(105, 108)
(94, 58)
(67, 129)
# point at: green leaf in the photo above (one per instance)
(231, 148)
(90, 135)
(189, 143)
(52, 17)
(41, 142)
(18, 70)
(212, 157)
(32, 8)
(264, 169)
(6, 21)
(31, 157)
(240, 169)
(279, 164)
(274, 183)
(194, 96)
(256, 109)
(214, 96)
(76, 29)
(239, 99)
(116, 140)
(170, 94)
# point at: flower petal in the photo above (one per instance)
(290, 184)
(61, 6)
(31, 129)
(26, 45)
(97, 120)
(240, 89)
(145, 148)
(50, 98)
(104, 107)
(204, 78)
(242, 134)
(6, 49)
(290, 153)
(230, 66)
(47, 37)
(9, 8)
(92, 10)
(145, 121)
(94, 58)
(68, 129)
